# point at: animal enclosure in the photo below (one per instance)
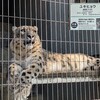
(52, 18)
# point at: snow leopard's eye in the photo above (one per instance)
(29, 36)
(22, 30)
(35, 31)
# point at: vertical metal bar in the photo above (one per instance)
(46, 11)
(14, 13)
(84, 53)
(60, 26)
(51, 34)
(65, 43)
(60, 4)
(87, 53)
(69, 42)
(36, 10)
(70, 50)
(2, 52)
(20, 21)
(70, 53)
(71, 74)
(46, 25)
(56, 23)
(90, 43)
(8, 47)
(53, 42)
(96, 47)
(30, 10)
(14, 48)
(56, 51)
(95, 44)
(74, 34)
(93, 47)
(41, 34)
(98, 82)
(25, 13)
(79, 63)
(55, 37)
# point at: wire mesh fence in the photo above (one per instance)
(52, 17)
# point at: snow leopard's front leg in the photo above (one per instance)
(22, 92)
(14, 72)
(32, 72)
(18, 91)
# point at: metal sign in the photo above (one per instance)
(85, 16)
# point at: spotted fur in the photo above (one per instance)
(34, 60)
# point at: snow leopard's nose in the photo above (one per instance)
(29, 40)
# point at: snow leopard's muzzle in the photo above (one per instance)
(29, 40)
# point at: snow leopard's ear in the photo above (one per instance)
(14, 29)
(35, 28)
